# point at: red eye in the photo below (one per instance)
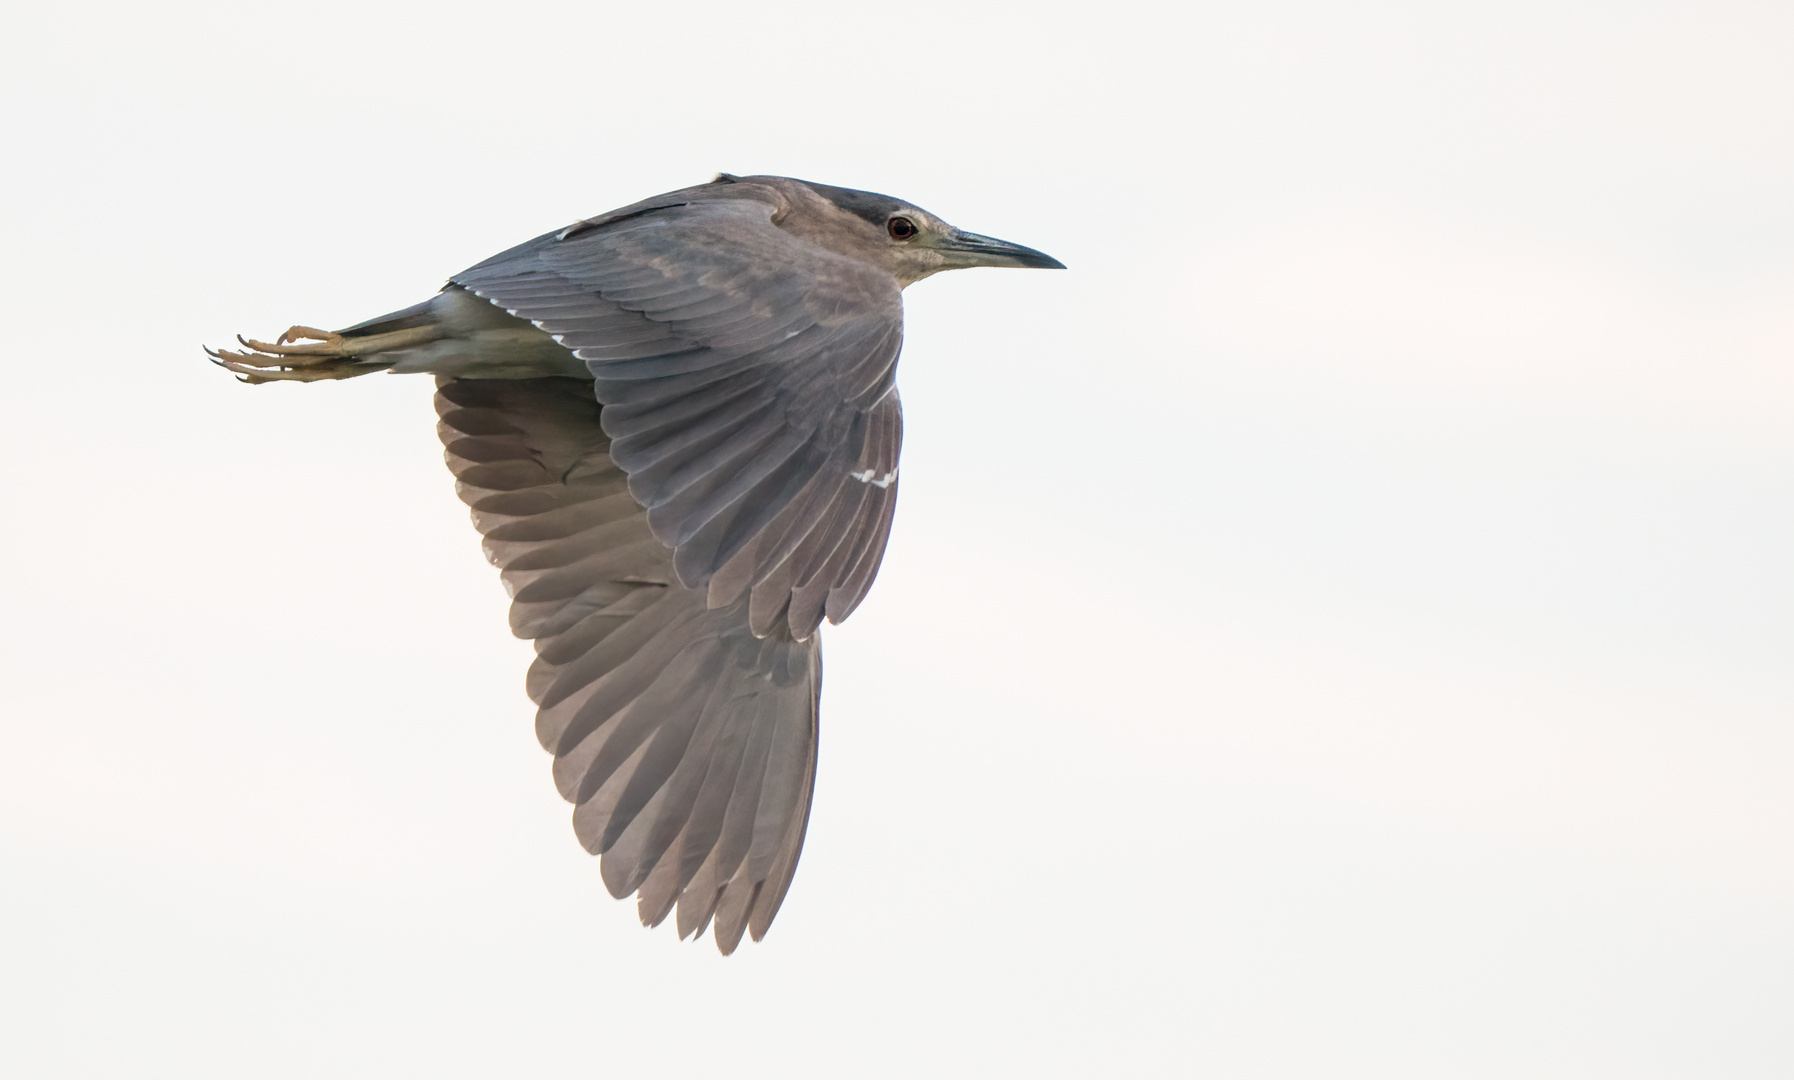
(902, 228)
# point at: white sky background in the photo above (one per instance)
(1341, 627)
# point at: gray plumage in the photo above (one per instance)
(677, 427)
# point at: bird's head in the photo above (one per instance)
(905, 240)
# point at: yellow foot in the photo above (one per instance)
(324, 356)
(324, 343)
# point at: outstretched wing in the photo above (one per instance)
(748, 380)
(686, 742)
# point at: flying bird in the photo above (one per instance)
(677, 427)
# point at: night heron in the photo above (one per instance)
(677, 425)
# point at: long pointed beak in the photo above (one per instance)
(964, 249)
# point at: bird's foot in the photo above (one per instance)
(326, 343)
(324, 355)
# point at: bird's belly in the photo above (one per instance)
(524, 353)
(484, 341)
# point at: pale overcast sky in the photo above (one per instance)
(1341, 627)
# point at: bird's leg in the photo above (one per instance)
(325, 354)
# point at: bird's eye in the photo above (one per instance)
(902, 228)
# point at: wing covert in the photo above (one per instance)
(748, 384)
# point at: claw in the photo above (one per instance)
(323, 354)
(327, 357)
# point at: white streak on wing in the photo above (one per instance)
(884, 481)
